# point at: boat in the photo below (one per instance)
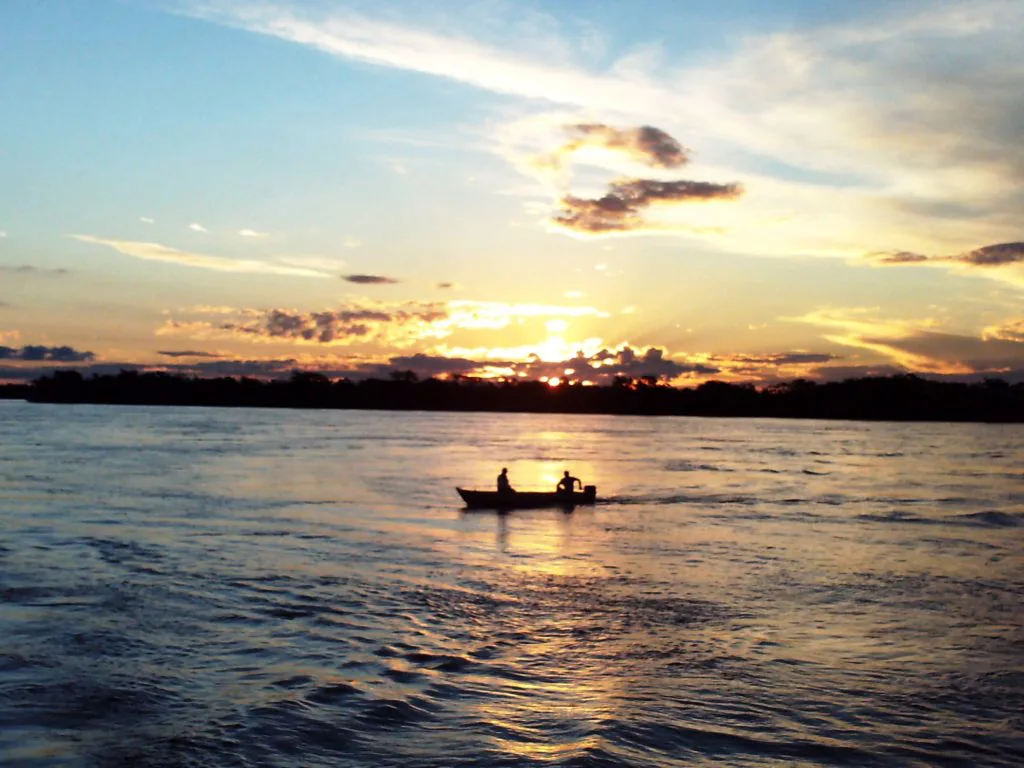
(526, 499)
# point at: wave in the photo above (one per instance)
(985, 519)
(681, 465)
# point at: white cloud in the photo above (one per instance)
(899, 131)
(3, 233)
(147, 220)
(252, 233)
(157, 252)
(197, 228)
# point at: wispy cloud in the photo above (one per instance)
(188, 353)
(344, 33)
(147, 220)
(922, 346)
(197, 228)
(1010, 330)
(370, 279)
(30, 269)
(157, 252)
(252, 233)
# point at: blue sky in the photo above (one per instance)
(736, 190)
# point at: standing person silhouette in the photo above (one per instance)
(503, 484)
(568, 483)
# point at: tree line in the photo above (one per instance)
(891, 398)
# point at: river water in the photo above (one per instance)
(217, 587)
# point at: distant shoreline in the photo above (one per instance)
(905, 398)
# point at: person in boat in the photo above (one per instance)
(568, 483)
(503, 484)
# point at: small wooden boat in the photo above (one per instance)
(527, 499)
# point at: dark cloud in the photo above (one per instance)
(391, 323)
(186, 353)
(426, 366)
(897, 257)
(28, 269)
(600, 368)
(646, 143)
(997, 255)
(619, 210)
(994, 255)
(606, 364)
(370, 279)
(445, 286)
(39, 353)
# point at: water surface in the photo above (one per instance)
(217, 587)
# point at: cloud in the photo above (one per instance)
(444, 286)
(1011, 330)
(361, 322)
(39, 353)
(782, 358)
(252, 233)
(147, 220)
(321, 264)
(994, 255)
(197, 228)
(647, 144)
(188, 353)
(3, 233)
(897, 258)
(868, 129)
(29, 269)
(919, 346)
(157, 252)
(600, 366)
(399, 325)
(998, 255)
(619, 210)
(370, 279)
(1002, 261)
(346, 34)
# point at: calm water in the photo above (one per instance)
(208, 587)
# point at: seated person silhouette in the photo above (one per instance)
(568, 483)
(504, 487)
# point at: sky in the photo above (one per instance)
(565, 190)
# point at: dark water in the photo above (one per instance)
(206, 587)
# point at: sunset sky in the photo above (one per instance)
(733, 190)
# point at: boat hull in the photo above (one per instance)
(526, 499)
